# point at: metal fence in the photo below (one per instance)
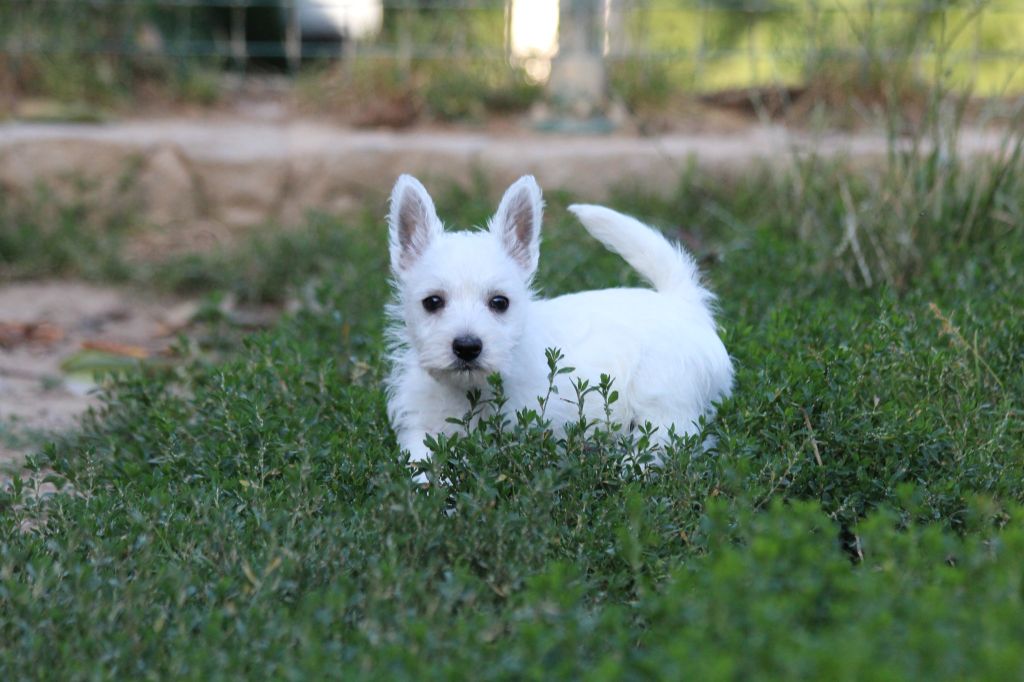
(700, 44)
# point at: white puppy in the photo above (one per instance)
(463, 309)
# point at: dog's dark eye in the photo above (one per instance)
(499, 304)
(433, 303)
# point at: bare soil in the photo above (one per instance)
(43, 324)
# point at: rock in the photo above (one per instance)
(242, 193)
(167, 190)
(70, 170)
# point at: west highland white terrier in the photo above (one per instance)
(464, 309)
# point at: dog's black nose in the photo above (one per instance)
(467, 347)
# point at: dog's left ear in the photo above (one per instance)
(517, 222)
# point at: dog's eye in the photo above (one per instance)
(433, 303)
(498, 304)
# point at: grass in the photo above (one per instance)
(14, 436)
(46, 236)
(860, 518)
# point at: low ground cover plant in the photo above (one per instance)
(859, 518)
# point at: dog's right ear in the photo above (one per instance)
(412, 222)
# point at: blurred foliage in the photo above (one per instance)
(473, 93)
(643, 85)
(107, 54)
(382, 92)
(113, 54)
(735, 43)
(49, 235)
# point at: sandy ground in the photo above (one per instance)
(44, 324)
(226, 140)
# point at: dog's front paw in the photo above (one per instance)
(421, 480)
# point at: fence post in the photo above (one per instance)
(239, 50)
(577, 90)
(293, 37)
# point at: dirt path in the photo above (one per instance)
(232, 172)
(44, 328)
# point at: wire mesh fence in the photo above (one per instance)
(649, 46)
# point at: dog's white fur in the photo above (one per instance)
(659, 345)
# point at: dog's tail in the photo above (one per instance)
(666, 266)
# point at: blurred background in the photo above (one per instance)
(401, 62)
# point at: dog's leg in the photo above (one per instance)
(655, 449)
(661, 424)
(413, 441)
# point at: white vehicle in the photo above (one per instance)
(340, 19)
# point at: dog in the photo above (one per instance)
(464, 308)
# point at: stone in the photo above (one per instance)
(166, 187)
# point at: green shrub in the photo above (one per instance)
(473, 91)
(45, 236)
(644, 86)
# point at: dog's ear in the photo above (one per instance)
(517, 222)
(412, 222)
